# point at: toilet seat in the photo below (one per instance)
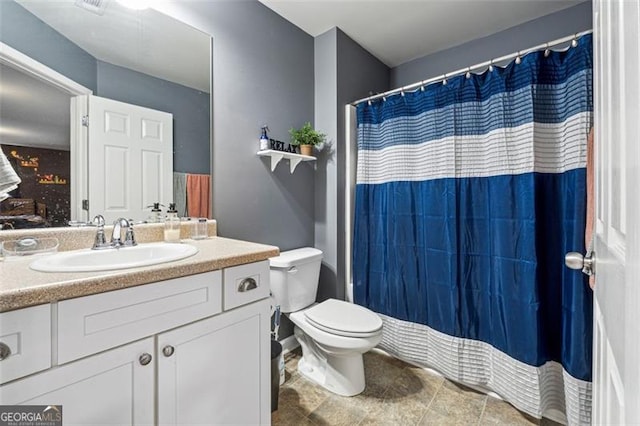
(343, 319)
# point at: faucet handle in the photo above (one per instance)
(130, 238)
(98, 220)
(100, 241)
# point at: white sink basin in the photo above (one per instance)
(109, 259)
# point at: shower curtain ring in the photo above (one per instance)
(518, 59)
(444, 80)
(574, 42)
(491, 66)
(422, 86)
(547, 52)
(468, 74)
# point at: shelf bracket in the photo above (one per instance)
(275, 159)
(293, 163)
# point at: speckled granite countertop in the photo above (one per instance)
(21, 287)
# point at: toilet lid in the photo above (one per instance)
(344, 319)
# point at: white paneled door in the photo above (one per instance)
(130, 152)
(616, 381)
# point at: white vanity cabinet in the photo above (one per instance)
(111, 388)
(161, 353)
(212, 372)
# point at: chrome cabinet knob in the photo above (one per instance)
(168, 350)
(587, 263)
(5, 351)
(145, 359)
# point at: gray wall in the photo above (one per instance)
(262, 73)
(325, 120)
(344, 72)
(547, 28)
(190, 109)
(21, 30)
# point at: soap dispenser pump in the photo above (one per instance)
(156, 213)
(264, 139)
(172, 225)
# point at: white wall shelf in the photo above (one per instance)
(276, 156)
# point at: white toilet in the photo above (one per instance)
(333, 334)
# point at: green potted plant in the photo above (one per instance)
(306, 137)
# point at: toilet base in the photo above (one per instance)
(342, 374)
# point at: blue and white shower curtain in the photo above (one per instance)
(468, 196)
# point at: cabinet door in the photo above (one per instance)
(111, 388)
(216, 371)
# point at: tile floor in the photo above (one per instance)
(397, 393)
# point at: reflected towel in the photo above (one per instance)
(9, 179)
(589, 228)
(180, 193)
(198, 195)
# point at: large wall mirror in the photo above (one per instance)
(138, 60)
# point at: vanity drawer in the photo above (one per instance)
(94, 323)
(245, 284)
(25, 335)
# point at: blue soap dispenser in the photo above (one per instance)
(264, 139)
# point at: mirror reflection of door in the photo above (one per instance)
(130, 149)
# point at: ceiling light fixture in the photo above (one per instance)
(135, 4)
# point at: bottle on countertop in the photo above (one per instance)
(172, 225)
(156, 213)
(264, 139)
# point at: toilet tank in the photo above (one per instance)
(294, 278)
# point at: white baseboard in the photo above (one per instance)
(289, 343)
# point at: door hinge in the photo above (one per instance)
(85, 205)
(85, 120)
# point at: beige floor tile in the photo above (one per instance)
(460, 389)
(380, 371)
(547, 422)
(291, 365)
(396, 409)
(302, 395)
(417, 383)
(498, 412)
(396, 393)
(291, 359)
(288, 416)
(339, 411)
(388, 359)
(369, 398)
(455, 405)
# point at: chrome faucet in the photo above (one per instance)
(100, 241)
(116, 236)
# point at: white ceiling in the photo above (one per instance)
(397, 31)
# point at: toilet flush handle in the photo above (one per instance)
(293, 270)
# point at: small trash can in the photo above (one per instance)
(276, 350)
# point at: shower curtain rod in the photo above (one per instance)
(490, 63)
